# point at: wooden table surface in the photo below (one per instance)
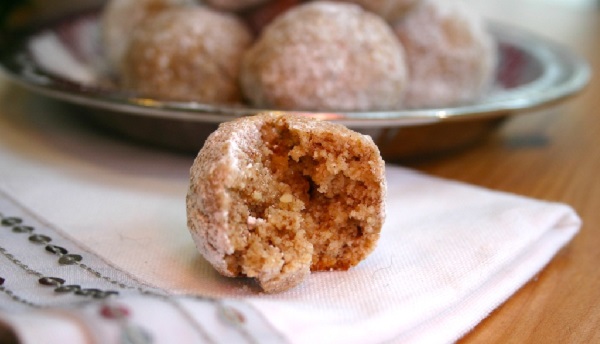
(552, 155)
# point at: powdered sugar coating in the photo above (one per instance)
(235, 5)
(275, 196)
(187, 54)
(121, 17)
(325, 56)
(451, 56)
(391, 10)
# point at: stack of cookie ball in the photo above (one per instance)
(344, 55)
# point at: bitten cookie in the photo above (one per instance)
(275, 196)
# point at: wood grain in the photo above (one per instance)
(552, 155)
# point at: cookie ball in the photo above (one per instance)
(235, 5)
(450, 54)
(325, 56)
(391, 10)
(187, 54)
(121, 17)
(274, 196)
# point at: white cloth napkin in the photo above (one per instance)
(449, 253)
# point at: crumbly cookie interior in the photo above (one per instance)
(305, 201)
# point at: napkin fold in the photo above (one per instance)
(94, 249)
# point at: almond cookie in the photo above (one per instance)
(187, 54)
(450, 54)
(121, 17)
(325, 56)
